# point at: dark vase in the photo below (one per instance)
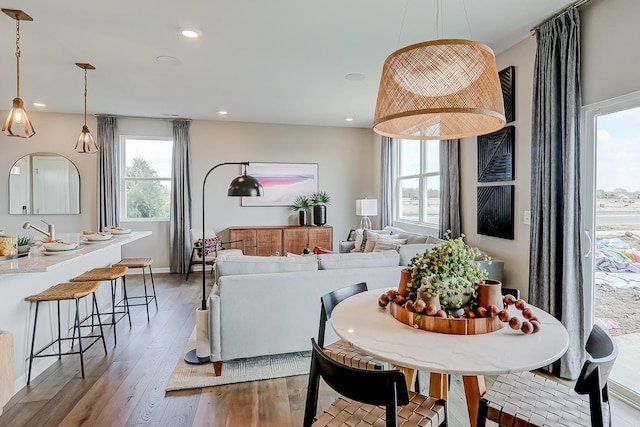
(302, 217)
(319, 215)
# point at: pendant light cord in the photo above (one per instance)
(85, 97)
(18, 57)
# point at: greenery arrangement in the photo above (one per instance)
(447, 271)
(320, 198)
(24, 240)
(301, 202)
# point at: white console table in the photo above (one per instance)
(32, 274)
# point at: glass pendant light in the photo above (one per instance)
(18, 123)
(86, 143)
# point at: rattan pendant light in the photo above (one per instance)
(441, 89)
(86, 144)
(18, 123)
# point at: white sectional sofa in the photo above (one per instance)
(271, 305)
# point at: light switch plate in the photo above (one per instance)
(527, 217)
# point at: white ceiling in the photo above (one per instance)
(275, 61)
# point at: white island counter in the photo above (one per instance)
(32, 274)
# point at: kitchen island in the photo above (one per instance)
(38, 271)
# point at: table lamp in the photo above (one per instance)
(244, 185)
(366, 208)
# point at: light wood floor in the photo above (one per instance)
(126, 387)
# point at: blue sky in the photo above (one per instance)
(618, 151)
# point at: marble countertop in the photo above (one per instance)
(39, 261)
(360, 321)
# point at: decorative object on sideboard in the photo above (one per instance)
(301, 204)
(320, 200)
(85, 143)
(18, 123)
(241, 186)
(366, 208)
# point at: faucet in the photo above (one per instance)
(51, 233)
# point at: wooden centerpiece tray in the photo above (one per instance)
(446, 325)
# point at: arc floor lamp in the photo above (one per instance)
(243, 185)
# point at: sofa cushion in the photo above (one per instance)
(229, 266)
(361, 238)
(358, 260)
(386, 243)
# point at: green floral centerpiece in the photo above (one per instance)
(448, 271)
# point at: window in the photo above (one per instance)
(146, 177)
(417, 182)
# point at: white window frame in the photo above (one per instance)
(124, 179)
(421, 225)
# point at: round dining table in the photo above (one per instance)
(361, 322)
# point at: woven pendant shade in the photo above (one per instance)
(441, 89)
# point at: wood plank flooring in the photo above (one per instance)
(126, 387)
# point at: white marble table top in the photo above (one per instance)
(360, 321)
(36, 261)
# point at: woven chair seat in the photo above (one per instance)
(521, 398)
(134, 262)
(342, 352)
(100, 274)
(65, 291)
(421, 411)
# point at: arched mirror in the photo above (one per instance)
(44, 183)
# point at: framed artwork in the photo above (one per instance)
(282, 182)
(495, 211)
(508, 85)
(496, 155)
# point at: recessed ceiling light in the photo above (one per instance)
(168, 60)
(223, 112)
(354, 77)
(39, 104)
(348, 119)
(190, 33)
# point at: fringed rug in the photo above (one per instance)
(187, 376)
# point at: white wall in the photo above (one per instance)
(348, 162)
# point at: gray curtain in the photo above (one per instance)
(555, 272)
(108, 172)
(386, 184)
(180, 244)
(450, 187)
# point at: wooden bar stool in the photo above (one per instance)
(60, 292)
(142, 263)
(121, 308)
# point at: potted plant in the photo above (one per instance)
(23, 244)
(320, 200)
(301, 204)
(448, 271)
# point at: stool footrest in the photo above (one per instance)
(96, 338)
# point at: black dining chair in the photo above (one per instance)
(367, 397)
(340, 350)
(521, 398)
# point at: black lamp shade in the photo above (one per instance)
(245, 185)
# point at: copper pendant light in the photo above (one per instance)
(18, 123)
(86, 144)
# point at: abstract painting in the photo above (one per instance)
(496, 154)
(508, 85)
(282, 182)
(495, 211)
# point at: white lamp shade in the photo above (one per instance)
(367, 207)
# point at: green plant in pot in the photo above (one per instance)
(23, 244)
(301, 204)
(448, 271)
(320, 200)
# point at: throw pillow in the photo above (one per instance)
(360, 241)
(385, 243)
(210, 245)
(370, 237)
(320, 250)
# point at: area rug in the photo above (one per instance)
(187, 376)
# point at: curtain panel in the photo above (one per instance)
(555, 272)
(108, 172)
(450, 188)
(180, 216)
(386, 184)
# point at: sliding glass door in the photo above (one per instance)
(611, 159)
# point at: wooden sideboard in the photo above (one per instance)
(266, 241)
